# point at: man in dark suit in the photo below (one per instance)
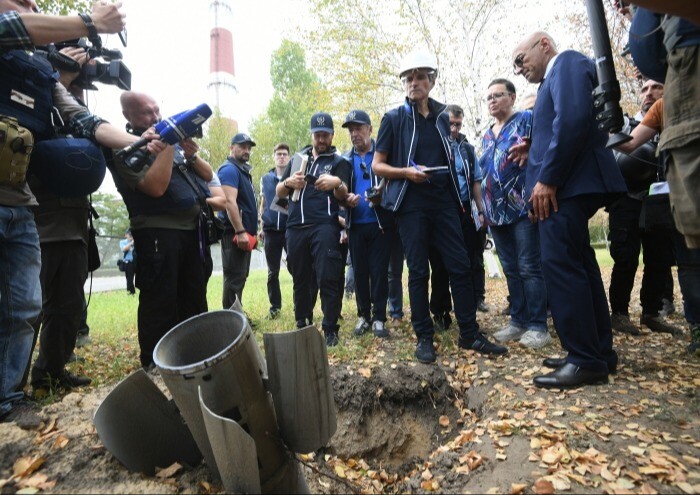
(570, 175)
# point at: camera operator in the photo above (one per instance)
(627, 237)
(164, 213)
(62, 224)
(25, 118)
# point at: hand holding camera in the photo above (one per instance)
(107, 17)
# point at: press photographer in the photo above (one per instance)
(29, 95)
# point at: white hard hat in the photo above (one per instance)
(418, 59)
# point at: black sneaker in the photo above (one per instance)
(425, 352)
(24, 413)
(621, 323)
(482, 345)
(332, 339)
(658, 324)
(273, 314)
(361, 326)
(69, 380)
(482, 306)
(42, 381)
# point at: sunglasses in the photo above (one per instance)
(458, 125)
(365, 172)
(518, 62)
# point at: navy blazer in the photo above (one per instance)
(568, 150)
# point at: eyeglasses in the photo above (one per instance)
(458, 125)
(495, 96)
(365, 172)
(518, 62)
(281, 153)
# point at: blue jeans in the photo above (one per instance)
(20, 298)
(518, 246)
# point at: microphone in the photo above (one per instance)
(173, 129)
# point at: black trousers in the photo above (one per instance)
(626, 239)
(440, 300)
(63, 273)
(439, 229)
(274, 244)
(236, 266)
(315, 261)
(370, 249)
(129, 272)
(574, 286)
(171, 278)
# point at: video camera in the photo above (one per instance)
(109, 70)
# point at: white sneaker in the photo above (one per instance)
(509, 332)
(361, 327)
(379, 329)
(535, 339)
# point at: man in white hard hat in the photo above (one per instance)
(413, 152)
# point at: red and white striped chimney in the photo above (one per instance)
(222, 84)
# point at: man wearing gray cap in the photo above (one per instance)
(370, 229)
(313, 231)
(240, 218)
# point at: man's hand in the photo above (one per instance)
(352, 200)
(189, 147)
(518, 153)
(79, 55)
(416, 174)
(542, 196)
(154, 146)
(107, 17)
(295, 181)
(327, 182)
(242, 241)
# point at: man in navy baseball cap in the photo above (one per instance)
(321, 122)
(359, 117)
(242, 138)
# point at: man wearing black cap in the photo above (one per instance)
(370, 229)
(313, 231)
(241, 218)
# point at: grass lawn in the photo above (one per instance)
(112, 319)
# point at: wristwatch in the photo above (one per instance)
(91, 29)
(191, 160)
(340, 185)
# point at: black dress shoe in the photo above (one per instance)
(570, 376)
(555, 363)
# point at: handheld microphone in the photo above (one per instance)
(173, 129)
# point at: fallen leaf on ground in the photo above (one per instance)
(169, 471)
(24, 466)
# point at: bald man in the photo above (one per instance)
(570, 175)
(163, 198)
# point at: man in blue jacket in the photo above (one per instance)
(241, 218)
(413, 153)
(370, 229)
(570, 175)
(313, 231)
(274, 226)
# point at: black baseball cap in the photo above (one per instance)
(357, 117)
(242, 138)
(321, 122)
